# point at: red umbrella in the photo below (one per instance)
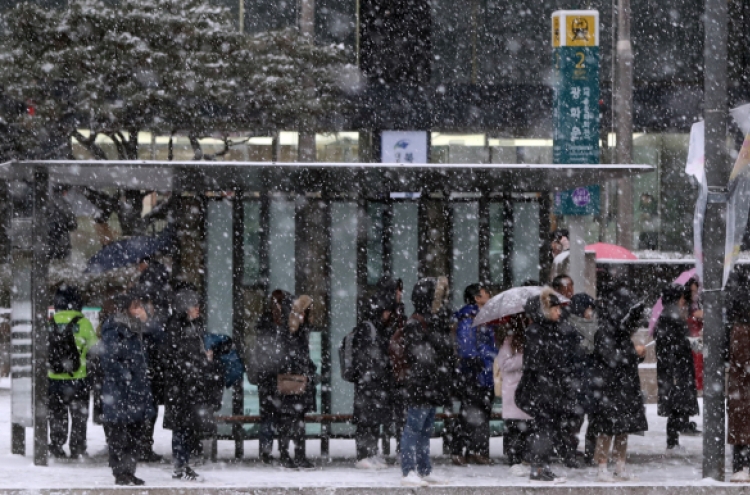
(603, 252)
(610, 252)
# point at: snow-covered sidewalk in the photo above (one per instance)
(16, 472)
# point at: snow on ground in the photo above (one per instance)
(647, 460)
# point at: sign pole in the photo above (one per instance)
(575, 41)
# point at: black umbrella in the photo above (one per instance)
(131, 250)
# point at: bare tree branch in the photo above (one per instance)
(90, 144)
(121, 152)
(196, 145)
(170, 147)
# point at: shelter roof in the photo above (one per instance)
(343, 177)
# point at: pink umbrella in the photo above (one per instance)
(659, 307)
(610, 252)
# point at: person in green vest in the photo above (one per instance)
(69, 392)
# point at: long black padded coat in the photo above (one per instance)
(616, 386)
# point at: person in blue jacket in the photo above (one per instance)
(127, 401)
(477, 350)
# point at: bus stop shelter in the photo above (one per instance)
(327, 229)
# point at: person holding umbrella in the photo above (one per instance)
(476, 352)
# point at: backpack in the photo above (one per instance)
(228, 359)
(397, 349)
(346, 357)
(63, 355)
(265, 358)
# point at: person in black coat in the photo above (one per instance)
(618, 408)
(675, 372)
(430, 363)
(547, 390)
(296, 366)
(193, 382)
(125, 388)
(153, 336)
(374, 378)
(267, 362)
(153, 282)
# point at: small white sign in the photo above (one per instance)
(404, 147)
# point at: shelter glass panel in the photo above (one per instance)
(343, 301)
(497, 243)
(252, 243)
(219, 267)
(281, 242)
(465, 248)
(525, 255)
(405, 243)
(375, 233)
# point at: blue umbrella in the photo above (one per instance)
(128, 251)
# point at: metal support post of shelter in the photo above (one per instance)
(714, 231)
(39, 305)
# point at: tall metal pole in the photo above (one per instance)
(306, 143)
(39, 305)
(714, 231)
(624, 123)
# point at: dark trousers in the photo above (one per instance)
(472, 430)
(68, 396)
(546, 429)
(575, 425)
(266, 395)
(676, 423)
(366, 438)
(185, 442)
(291, 428)
(398, 414)
(740, 457)
(516, 440)
(266, 434)
(123, 440)
(147, 436)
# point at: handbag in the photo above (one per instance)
(497, 378)
(288, 384)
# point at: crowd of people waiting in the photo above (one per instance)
(149, 350)
(566, 358)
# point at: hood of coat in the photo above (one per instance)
(468, 311)
(586, 328)
(672, 312)
(615, 308)
(430, 295)
(298, 310)
(374, 308)
(539, 307)
(122, 325)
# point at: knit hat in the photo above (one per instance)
(67, 298)
(186, 299)
(579, 303)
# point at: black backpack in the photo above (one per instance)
(63, 355)
(346, 357)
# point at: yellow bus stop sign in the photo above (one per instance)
(575, 28)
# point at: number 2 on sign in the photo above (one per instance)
(581, 60)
